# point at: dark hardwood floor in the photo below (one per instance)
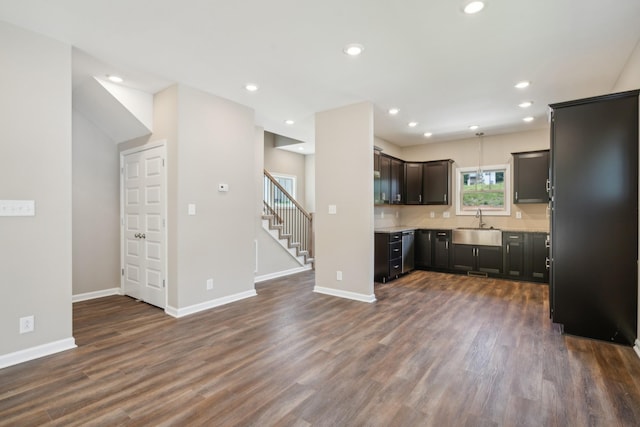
(434, 350)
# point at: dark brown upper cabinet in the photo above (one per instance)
(436, 182)
(413, 183)
(397, 181)
(531, 177)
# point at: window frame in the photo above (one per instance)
(294, 186)
(507, 190)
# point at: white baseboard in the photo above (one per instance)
(637, 347)
(345, 294)
(36, 352)
(277, 274)
(181, 312)
(97, 294)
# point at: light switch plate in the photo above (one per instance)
(17, 208)
(446, 215)
(333, 210)
(518, 215)
(192, 208)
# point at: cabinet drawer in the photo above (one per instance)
(395, 267)
(395, 237)
(395, 250)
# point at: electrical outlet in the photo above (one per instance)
(432, 214)
(446, 215)
(338, 275)
(518, 215)
(382, 215)
(209, 284)
(26, 324)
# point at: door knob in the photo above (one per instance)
(137, 235)
(143, 236)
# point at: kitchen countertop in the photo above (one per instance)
(401, 228)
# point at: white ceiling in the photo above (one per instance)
(442, 68)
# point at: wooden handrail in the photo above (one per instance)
(281, 188)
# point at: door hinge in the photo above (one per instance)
(121, 171)
(163, 284)
(162, 162)
(123, 271)
(122, 221)
(164, 223)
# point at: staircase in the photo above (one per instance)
(287, 221)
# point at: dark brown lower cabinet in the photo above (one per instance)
(473, 258)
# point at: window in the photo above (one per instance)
(486, 189)
(288, 182)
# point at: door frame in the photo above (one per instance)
(148, 146)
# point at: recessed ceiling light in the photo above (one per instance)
(474, 127)
(393, 111)
(251, 87)
(115, 79)
(528, 119)
(289, 122)
(353, 49)
(413, 124)
(473, 7)
(428, 134)
(522, 84)
(525, 104)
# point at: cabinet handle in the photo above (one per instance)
(446, 244)
(547, 263)
(396, 250)
(420, 198)
(548, 186)
(516, 195)
(445, 197)
(396, 266)
(508, 245)
(383, 196)
(547, 242)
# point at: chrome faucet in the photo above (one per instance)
(479, 216)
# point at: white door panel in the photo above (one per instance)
(144, 245)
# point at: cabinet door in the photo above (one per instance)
(514, 254)
(397, 181)
(441, 249)
(385, 179)
(489, 259)
(531, 173)
(436, 183)
(413, 183)
(424, 248)
(538, 255)
(463, 257)
(376, 178)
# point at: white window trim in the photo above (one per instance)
(291, 177)
(507, 189)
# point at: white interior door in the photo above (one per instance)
(143, 246)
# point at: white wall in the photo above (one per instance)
(35, 164)
(310, 182)
(344, 161)
(216, 140)
(630, 76)
(96, 209)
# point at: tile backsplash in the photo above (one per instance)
(534, 217)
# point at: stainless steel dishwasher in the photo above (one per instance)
(407, 251)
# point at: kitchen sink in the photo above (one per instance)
(477, 236)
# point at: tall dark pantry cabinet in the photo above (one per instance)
(594, 217)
